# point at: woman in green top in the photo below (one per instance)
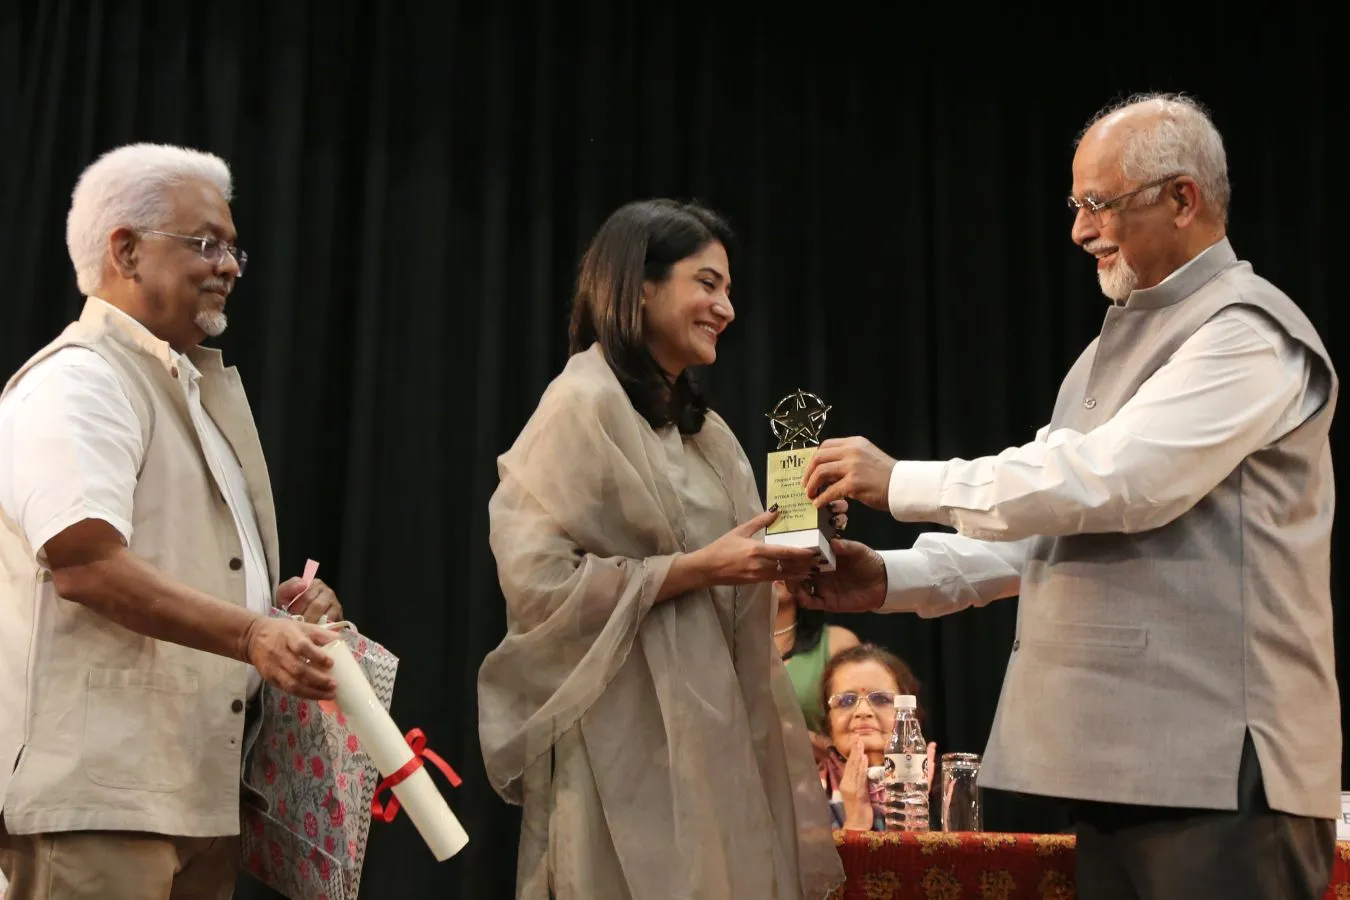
(806, 642)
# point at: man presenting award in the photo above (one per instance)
(1172, 679)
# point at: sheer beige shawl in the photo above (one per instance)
(701, 760)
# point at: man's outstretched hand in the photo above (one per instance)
(857, 584)
(849, 467)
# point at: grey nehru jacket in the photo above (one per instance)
(1141, 659)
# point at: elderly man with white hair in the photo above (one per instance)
(1172, 677)
(139, 549)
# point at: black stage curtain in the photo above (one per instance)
(415, 184)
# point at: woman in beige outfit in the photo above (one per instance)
(637, 708)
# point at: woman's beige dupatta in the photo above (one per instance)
(701, 759)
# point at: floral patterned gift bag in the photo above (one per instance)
(318, 784)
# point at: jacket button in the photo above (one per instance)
(237, 705)
(236, 564)
(1090, 403)
(1016, 645)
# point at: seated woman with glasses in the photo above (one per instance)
(858, 687)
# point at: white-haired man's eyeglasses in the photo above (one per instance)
(211, 249)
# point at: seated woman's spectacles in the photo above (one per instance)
(875, 699)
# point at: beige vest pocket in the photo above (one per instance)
(139, 729)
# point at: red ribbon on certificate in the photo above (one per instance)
(417, 741)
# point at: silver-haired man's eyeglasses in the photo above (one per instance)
(211, 249)
(1096, 207)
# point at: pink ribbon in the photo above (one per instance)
(307, 579)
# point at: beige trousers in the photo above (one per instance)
(117, 865)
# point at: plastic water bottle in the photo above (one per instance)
(904, 780)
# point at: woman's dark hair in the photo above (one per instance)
(640, 242)
(904, 677)
(809, 632)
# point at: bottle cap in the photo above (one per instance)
(906, 701)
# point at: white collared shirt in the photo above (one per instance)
(1237, 384)
(70, 448)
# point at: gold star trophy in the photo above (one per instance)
(797, 421)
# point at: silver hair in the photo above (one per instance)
(126, 187)
(1181, 140)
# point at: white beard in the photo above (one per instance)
(1118, 280)
(212, 322)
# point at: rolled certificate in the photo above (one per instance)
(389, 751)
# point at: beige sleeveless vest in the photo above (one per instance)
(101, 728)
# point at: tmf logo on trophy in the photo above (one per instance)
(797, 421)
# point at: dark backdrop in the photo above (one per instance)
(416, 183)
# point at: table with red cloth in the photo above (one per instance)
(977, 866)
(980, 866)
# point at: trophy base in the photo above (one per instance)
(811, 538)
